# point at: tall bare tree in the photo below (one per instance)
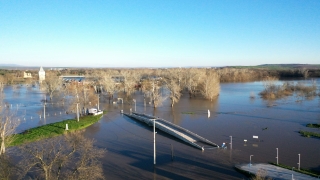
(174, 89)
(152, 89)
(108, 83)
(8, 124)
(131, 79)
(210, 87)
(82, 94)
(192, 78)
(51, 84)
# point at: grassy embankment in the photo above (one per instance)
(302, 171)
(308, 133)
(54, 129)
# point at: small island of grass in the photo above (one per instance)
(313, 125)
(309, 134)
(54, 129)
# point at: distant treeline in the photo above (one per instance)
(225, 74)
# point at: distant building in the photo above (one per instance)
(42, 75)
(27, 74)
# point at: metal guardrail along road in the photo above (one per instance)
(179, 132)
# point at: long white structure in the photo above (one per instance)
(174, 130)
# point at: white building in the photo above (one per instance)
(42, 75)
(27, 74)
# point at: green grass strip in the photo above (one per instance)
(313, 125)
(309, 134)
(54, 129)
(302, 171)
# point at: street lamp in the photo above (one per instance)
(230, 142)
(98, 101)
(250, 159)
(135, 105)
(154, 141)
(299, 162)
(277, 157)
(77, 107)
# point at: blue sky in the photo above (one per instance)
(164, 33)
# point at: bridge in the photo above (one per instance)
(181, 133)
(64, 77)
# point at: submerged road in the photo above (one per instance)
(274, 172)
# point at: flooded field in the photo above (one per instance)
(130, 143)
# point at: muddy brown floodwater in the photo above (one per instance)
(130, 143)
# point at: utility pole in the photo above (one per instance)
(98, 100)
(154, 141)
(230, 142)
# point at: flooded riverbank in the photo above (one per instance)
(233, 113)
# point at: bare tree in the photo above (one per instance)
(176, 74)
(8, 168)
(51, 84)
(108, 84)
(71, 156)
(304, 72)
(8, 124)
(152, 89)
(175, 91)
(210, 87)
(192, 78)
(96, 79)
(131, 79)
(82, 94)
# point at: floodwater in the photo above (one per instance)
(129, 144)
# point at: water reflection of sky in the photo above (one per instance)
(26, 104)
